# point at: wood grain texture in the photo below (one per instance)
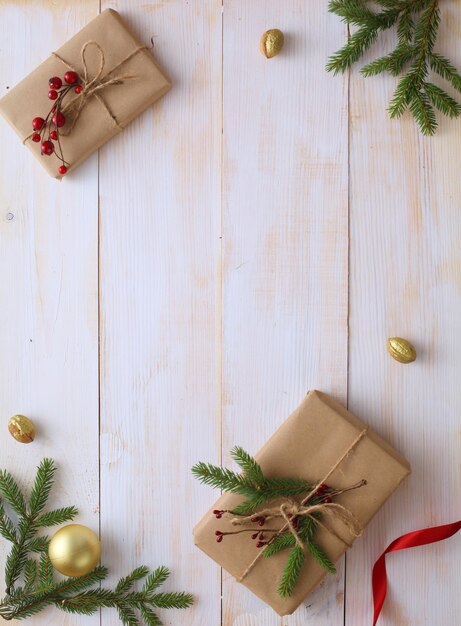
(160, 309)
(284, 244)
(405, 280)
(48, 291)
(220, 250)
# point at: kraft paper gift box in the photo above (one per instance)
(307, 445)
(108, 111)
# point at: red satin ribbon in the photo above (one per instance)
(410, 540)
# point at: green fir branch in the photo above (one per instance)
(417, 24)
(11, 493)
(57, 517)
(321, 557)
(7, 530)
(149, 616)
(280, 542)
(81, 595)
(42, 486)
(251, 505)
(285, 487)
(222, 478)
(45, 572)
(156, 579)
(270, 490)
(291, 572)
(248, 465)
(444, 68)
(30, 574)
(171, 600)
(441, 100)
(127, 583)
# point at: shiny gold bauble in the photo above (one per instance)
(401, 350)
(271, 43)
(74, 550)
(22, 428)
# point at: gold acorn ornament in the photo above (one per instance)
(74, 550)
(401, 350)
(271, 43)
(22, 428)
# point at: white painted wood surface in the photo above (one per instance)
(260, 231)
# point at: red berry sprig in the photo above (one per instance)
(324, 494)
(46, 130)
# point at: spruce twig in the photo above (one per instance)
(417, 23)
(72, 595)
(260, 490)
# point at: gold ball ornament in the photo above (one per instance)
(271, 43)
(74, 550)
(401, 350)
(22, 428)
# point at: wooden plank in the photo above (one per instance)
(160, 309)
(48, 291)
(405, 280)
(284, 244)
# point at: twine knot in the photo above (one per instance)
(291, 510)
(92, 87)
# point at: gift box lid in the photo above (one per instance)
(106, 40)
(307, 445)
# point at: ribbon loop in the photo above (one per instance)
(416, 538)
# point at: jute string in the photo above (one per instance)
(92, 87)
(289, 510)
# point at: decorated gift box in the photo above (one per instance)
(295, 508)
(84, 93)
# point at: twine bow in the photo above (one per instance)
(291, 509)
(92, 87)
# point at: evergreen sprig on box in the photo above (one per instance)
(29, 573)
(417, 23)
(260, 491)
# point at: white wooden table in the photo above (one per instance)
(260, 231)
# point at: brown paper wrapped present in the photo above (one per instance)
(320, 436)
(112, 52)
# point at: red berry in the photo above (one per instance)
(58, 119)
(260, 544)
(217, 532)
(47, 148)
(78, 89)
(52, 94)
(62, 169)
(327, 500)
(216, 511)
(219, 539)
(71, 77)
(54, 135)
(255, 519)
(55, 82)
(262, 521)
(218, 515)
(37, 123)
(36, 137)
(254, 535)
